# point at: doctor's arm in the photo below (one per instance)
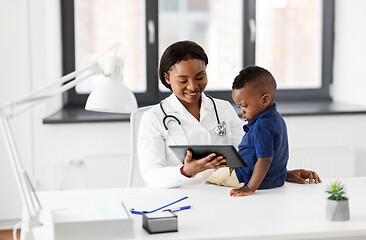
(155, 168)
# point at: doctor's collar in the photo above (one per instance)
(206, 102)
(174, 105)
(178, 107)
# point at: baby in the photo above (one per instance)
(264, 146)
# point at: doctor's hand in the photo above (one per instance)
(301, 175)
(193, 166)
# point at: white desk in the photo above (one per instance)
(293, 211)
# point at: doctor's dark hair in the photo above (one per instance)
(256, 77)
(179, 51)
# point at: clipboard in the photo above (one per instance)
(232, 156)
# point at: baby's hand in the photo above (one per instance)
(243, 191)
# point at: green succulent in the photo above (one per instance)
(336, 191)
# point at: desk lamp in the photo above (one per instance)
(111, 95)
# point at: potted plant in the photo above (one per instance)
(337, 203)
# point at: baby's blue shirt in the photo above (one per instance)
(265, 136)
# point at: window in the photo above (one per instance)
(292, 39)
(288, 41)
(98, 26)
(218, 32)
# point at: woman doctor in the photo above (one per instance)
(189, 117)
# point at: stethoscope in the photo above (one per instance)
(220, 129)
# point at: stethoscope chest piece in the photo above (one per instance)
(220, 129)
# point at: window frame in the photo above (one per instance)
(153, 95)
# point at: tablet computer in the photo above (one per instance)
(232, 156)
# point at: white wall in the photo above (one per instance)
(48, 150)
(338, 134)
(99, 146)
(15, 81)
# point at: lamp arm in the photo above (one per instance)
(93, 70)
(16, 165)
(36, 96)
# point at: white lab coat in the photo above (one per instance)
(158, 165)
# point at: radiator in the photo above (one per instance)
(328, 162)
(102, 171)
(111, 171)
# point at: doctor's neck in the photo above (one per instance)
(193, 107)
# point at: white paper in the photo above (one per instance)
(110, 210)
(113, 209)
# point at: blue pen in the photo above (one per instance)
(133, 211)
(179, 209)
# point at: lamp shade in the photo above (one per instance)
(111, 95)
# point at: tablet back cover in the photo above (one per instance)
(233, 158)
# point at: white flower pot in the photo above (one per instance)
(337, 210)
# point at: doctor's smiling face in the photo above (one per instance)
(187, 80)
(182, 70)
